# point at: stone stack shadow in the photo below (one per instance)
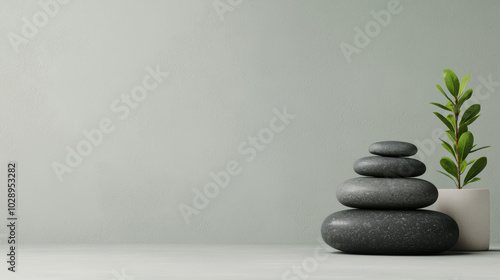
(387, 219)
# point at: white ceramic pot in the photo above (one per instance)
(471, 210)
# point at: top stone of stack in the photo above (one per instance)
(393, 149)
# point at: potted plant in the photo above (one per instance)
(469, 207)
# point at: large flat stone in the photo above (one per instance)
(393, 149)
(387, 193)
(389, 167)
(395, 232)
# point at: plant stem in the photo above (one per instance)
(456, 142)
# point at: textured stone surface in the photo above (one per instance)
(395, 232)
(389, 167)
(387, 193)
(393, 149)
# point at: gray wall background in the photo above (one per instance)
(226, 77)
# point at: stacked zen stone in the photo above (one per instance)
(387, 220)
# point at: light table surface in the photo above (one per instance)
(149, 262)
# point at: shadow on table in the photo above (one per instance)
(446, 253)
(469, 252)
(454, 253)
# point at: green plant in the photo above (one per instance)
(462, 140)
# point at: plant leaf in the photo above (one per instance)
(450, 106)
(470, 113)
(475, 150)
(463, 83)
(465, 97)
(473, 180)
(448, 147)
(471, 162)
(441, 106)
(445, 121)
(471, 120)
(449, 166)
(451, 119)
(461, 130)
(476, 168)
(451, 136)
(463, 166)
(451, 81)
(442, 91)
(465, 143)
(454, 181)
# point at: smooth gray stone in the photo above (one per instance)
(393, 232)
(389, 167)
(387, 193)
(393, 149)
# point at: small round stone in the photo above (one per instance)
(387, 193)
(389, 167)
(393, 149)
(392, 232)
